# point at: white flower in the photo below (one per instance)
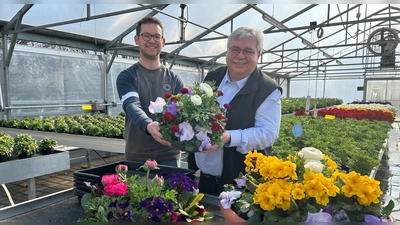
(228, 197)
(157, 106)
(310, 153)
(196, 99)
(207, 89)
(314, 165)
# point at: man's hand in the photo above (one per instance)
(225, 137)
(212, 148)
(154, 130)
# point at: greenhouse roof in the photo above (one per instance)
(324, 41)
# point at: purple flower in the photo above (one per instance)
(110, 215)
(113, 204)
(126, 215)
(124, 205)
(190, 91)
(186, 132)
(202, 133)
(341, 216)
(172, 108)
(180, 181)
(319, 217)
(227, 198)
(145, 203)
(157, 209)
(203, 137)
(371, 218)
(241, 182)
(205, 144)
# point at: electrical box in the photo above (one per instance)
(97, 106)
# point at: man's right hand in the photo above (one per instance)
(154, 130)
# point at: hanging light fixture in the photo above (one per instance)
(274, 22)
(307, 43)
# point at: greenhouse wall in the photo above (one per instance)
(47, 82)
(345, 89)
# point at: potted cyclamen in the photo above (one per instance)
(6, 146)
(24, 146)
(47, 145)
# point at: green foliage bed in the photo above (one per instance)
(353, 144)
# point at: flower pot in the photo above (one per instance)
(47, 151)
(3, 158)
(180, 147)
(23, 155)
(230, 215)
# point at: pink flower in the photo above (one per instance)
(151, 164)
(116, 188)
(106, 179)
(121, 168)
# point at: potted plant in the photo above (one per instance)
(24, 146)
(305, 187)
(6, 146)
(47, 145)
(167, 197)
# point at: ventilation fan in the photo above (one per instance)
(383, 41)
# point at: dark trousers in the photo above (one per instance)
(209, 184)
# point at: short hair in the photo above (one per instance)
(245, 32)
(149, 19)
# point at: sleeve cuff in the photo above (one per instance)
(235, 138)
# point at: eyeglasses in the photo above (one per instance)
(236, 51)
(147, 37)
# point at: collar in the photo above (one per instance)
(240, 83)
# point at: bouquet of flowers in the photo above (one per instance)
(306, 187)
(168, 197)
(193, 119)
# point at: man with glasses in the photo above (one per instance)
(137, 86)
(253, 120)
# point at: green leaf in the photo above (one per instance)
(387, 210)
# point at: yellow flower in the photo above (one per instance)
(332, 165)
(278, 183)
(298, 191)
(313, 188)
(251, 159)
